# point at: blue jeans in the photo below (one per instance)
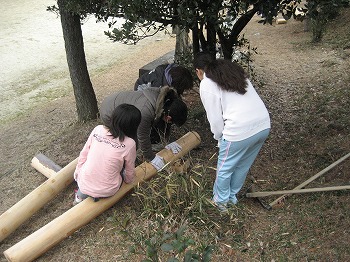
(234, 162)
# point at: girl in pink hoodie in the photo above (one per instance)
(108, 156)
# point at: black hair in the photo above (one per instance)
(182, 79)
(124, 121)
(230, 76)
(178, 111)
(202, 59)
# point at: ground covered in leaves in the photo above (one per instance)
(305, 87)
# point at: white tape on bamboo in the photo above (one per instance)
(60, 228)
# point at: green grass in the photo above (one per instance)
(35, 90)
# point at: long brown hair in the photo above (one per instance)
(230, 76)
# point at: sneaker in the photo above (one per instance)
(231, 204)
(77, 200)
(222, 208)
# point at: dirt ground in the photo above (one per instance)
(288, 71)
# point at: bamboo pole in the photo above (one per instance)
(323, 171)
(15, 216)
(297, 191)
(58, 229)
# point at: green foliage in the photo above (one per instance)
(158, 244)
(177, 243)
(320, 12)
(209, 21)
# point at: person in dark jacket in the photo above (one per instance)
(172, 75)
(160, 107)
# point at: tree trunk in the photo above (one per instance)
(182, 43)
(211, 38)
(195, 40)
(85, 98)
(228, 44)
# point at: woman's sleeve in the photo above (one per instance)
(213, 108)
(130, 165)
(143, 135)
(83, 155)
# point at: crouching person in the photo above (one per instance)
(173, 75)
(160, 108)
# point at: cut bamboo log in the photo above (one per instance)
(45, 165)
(297, 191)
(63, 226)
(15, 216)
(281, 21)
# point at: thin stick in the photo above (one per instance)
(296, 191)
(312, 178)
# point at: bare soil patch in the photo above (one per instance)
(306, 90)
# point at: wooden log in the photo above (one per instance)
(45, 165)
(15, 216)
(281, 21)
(297, 191)
(60, 228)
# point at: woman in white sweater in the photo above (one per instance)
(238, 120)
